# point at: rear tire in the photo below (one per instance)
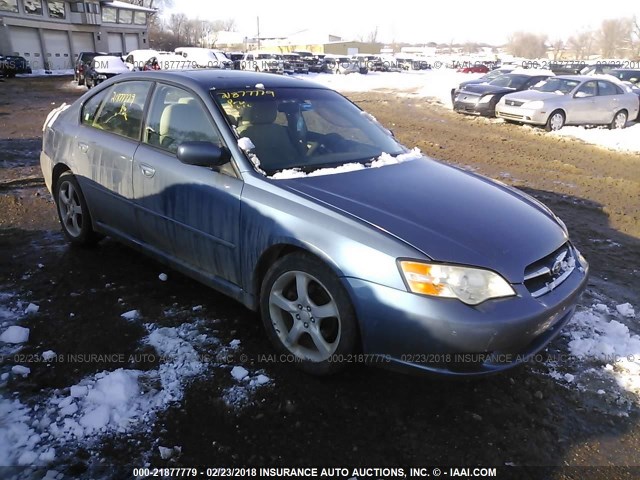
(619, 120)
(555, 121)
(73, 212)
(307, 314)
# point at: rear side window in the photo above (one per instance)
(177, 116)
(118, 109)
(606, 88)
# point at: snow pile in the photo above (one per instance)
(382, 161)
(246, 145)
(626, 140)
(239, 394)
(15, 334)
(626, 310)
(31, 309)
(131, 315)
(107, 402)
(604, 348)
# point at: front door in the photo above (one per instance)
(188, 212)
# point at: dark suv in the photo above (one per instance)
(82, 65)
(10, 65)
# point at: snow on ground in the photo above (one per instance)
(626, 140)
(437, 84)
(122, 401)
(604, 353)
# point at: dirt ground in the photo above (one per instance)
(365, 416)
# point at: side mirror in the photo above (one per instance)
(202, 154)
(582, 95)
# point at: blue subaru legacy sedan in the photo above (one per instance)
(289, 198)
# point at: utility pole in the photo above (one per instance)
(258, 18)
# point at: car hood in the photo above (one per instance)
(471, 82)
(448, 214)
(485, 89)
(531, 95)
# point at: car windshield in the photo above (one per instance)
(493, 75)
(304, 128)
(558, 85)
(632, 76)
(510, 81)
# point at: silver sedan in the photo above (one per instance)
(571, 100)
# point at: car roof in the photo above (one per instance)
(577, 78)
(225, 79)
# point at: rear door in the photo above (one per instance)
(608, 100)
(186, 212)
(582, 109)
(108, 138)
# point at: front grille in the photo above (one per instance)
(547, 273)
(510, 115)
(514, 103)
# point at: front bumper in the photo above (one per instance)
(473, 107)
(522, 115)
(446, 336)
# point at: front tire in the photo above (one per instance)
(555, 121)
(619, 120)
(307, 313)
(73, 212)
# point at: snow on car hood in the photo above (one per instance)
(448, 214)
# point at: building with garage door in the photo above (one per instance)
(51, 34)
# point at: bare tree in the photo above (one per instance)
(581, 45)
(177, 22)
(634, 39)
(372, 36)
(558, 48)
(613, 37)
(527, 45)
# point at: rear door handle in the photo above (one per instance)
(83, 147)
(147, 171)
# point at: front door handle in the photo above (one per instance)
(147, 171)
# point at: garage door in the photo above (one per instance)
(115, 43)
(131, 42)
(57, 49)
(26, 42)
(82, 42)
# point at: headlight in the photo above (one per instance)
(101, 77)
(486, 99)
(470, 285)
(534, 105)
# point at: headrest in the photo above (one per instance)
(262, 112)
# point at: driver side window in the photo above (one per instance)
(177, 116)
(589, 89)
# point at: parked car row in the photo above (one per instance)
(535, 98)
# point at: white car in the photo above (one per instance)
(205, 57)
(571, 100)
(266, 62)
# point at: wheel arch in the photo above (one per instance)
(558, 109)
(274, 253)
(58, 170)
